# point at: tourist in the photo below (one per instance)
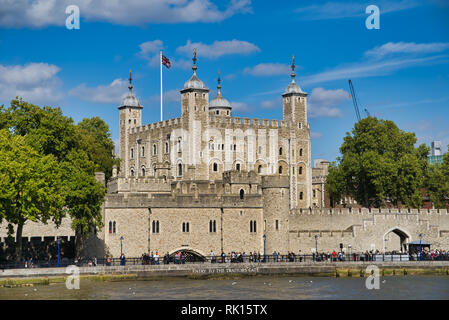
(212, 257)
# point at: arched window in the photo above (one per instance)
(259, 169)
(157, 226)
(113, 227)
(300, 195)
(254, 226)
(110, 226)
(179, 169)
(132, 153)
(251, 226)
(166, 147)
(215, 167)
(237, 167)
(210, 225)
(215, 226)
(154, 149)
(183, 227)
(242, 193)
(132, 172)
(280, 169)
(300, 152)
(143, 171)
(179, 145)
(300, 170)
(143, 151)
(280, 151)
(187, 227)
(154, 226)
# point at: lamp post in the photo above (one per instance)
(420, 247)
(121, 246)
(316, 246)
(264, 247)
(59, 242)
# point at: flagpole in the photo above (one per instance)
(160, 58)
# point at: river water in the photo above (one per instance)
(252, 288)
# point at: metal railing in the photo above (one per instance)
(303, 258)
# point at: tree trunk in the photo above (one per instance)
(78, 241)
(19, 242)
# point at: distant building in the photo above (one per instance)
(436, 155)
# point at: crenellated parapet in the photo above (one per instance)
(368, 211)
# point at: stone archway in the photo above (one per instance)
(189, 255)
(396, 239)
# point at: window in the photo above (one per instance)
(143, 171)
(132, 172)
(179, 145)
(212, 226)
(132, 153)
(185, 227)
(179, 169)
(280, 151)
(143, 151)
(300, 195)
(154, 149)
(252, 226)
(280, 169)
(113, 227)
(110, 226)
(300, 170)
(300, 125)
(260, 149)
(242, 193)
(276, 224)
(237, 167)
(215, 165)
(156, 226)
(217, 112)
(259, 169)
(227, 113)
(300, 152)
(166, 147)
(314, 193)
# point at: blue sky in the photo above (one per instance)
(400, 72)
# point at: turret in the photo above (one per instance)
(295, 101)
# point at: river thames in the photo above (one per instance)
(251, 288)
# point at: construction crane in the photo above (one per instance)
(354, 100)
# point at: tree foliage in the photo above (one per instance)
(57, 162)
(31, 186)
(380, 165)
(437, 183)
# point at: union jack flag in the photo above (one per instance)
(166, 62)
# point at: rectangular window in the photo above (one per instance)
(276, 224)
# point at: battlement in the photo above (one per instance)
(248, 122)
(172, 200)
(369, 212)
(155, 125)
(241, 177)
(121, 184)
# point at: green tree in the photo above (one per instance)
(335, 185)
(437, 183)
(95, 139)
(31, 186)
(84, 196)
(79, 150)
(380, 165)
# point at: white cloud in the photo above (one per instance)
(150, 51)
(269, 104)
(323, 103)
(218, 48)
(268, 69)
(240, 107)
(42, 13)
(370, 69)
(111, 93)
(406, 47)
(169, 96)
(34, 82)
(338, 10)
